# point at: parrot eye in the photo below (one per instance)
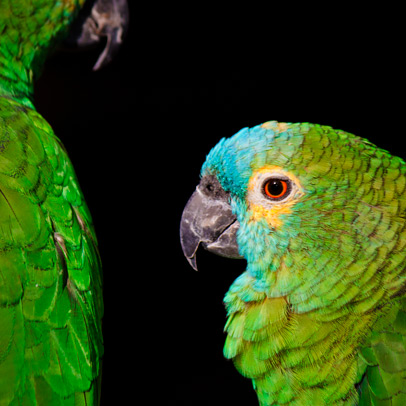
(272, 188)
(276, 189)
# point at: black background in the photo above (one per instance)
(138, 132)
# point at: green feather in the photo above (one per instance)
(50, 273)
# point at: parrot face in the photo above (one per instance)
(319, 216)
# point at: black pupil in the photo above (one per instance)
(275, 187)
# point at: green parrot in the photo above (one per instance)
(50, 273)
(319, 315)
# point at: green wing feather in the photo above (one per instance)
(383, 359)
(50, 274)
(50, 283)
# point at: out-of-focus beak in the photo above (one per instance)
(101, 19)
(208, 220)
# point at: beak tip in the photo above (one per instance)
(192, 262)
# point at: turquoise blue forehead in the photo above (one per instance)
(231, 159)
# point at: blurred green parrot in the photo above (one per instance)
(50, 275)
(319, 315)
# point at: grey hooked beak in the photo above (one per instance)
(208, 220)
(101, 19)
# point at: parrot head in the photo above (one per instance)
(316, 213)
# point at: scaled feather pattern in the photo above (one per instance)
(50, 273)
(319, 315)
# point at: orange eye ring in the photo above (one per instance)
(276, 189)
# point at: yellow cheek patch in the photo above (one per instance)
(272, 215)
(260, 206)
